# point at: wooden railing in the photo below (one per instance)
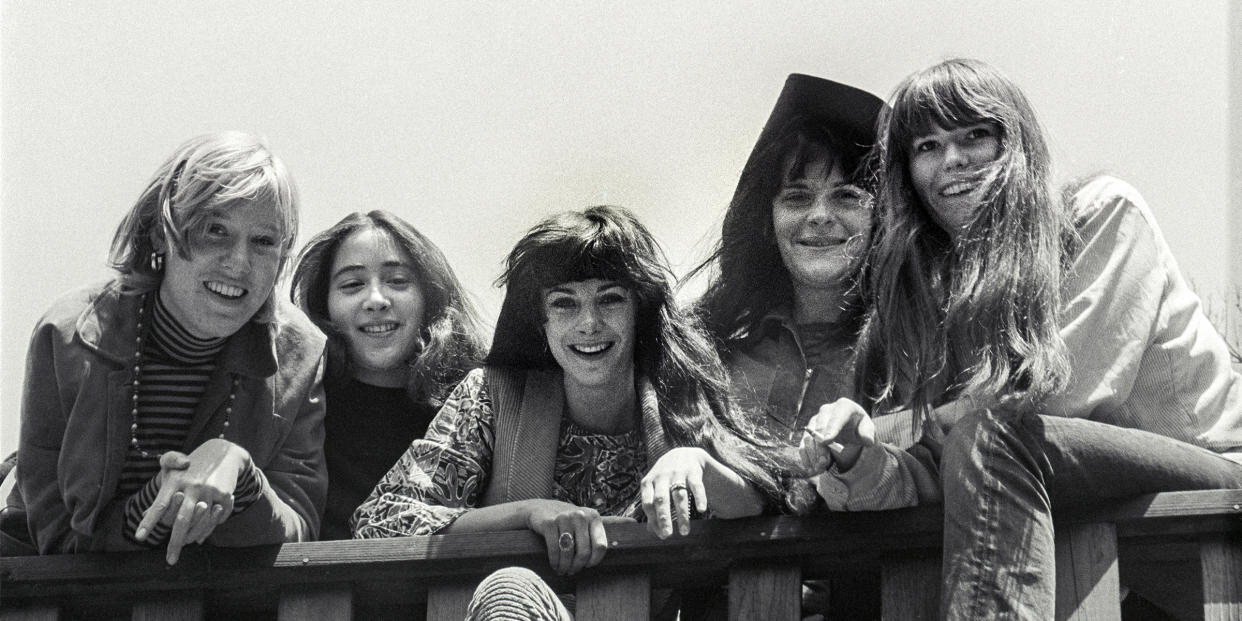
(762, 560)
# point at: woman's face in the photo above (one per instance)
(590, 332)
(822, 224)
(234, 258)
(947, 167)
(376, 304)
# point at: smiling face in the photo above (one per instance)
(234, 258)
(947, 168)
(590, 328)
(376, 304)
(822, 223)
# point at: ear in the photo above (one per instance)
(158, 242)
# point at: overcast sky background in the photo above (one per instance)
(474, 120)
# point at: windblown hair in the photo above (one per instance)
(450, 342)
(671, 349)
(207, 174)
(977, 316)
(750, 279)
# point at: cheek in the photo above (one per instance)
(783, 223)
(338, 308)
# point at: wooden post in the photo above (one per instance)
(449, 601)
(910, 589)
(1222, 579)
(1087, 585)
(317, 602)
(773, 592)
(180, 606)
(614, 596)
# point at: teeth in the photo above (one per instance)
(954, 189)
(379, 327)
(228, 291)
(591, 349)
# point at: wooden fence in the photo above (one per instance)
(1192, 537)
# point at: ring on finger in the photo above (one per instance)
(566, 541)
(678, 486)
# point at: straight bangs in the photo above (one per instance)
(949, 95)
(807, 142)
(214, 187)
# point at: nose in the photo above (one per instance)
(588, 319)
(237, 259)
(821, 210)
(955, 156)
(376, 299)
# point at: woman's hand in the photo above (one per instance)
(837, 433)
(669, 486)
(574, 535)
(195, 493)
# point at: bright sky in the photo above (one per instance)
(473, 120)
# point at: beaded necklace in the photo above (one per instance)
(133, 425)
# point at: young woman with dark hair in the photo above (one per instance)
(401, 333)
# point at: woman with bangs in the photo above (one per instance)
(401, 334)
(181, 402)
(1026, 351)
(599, 401)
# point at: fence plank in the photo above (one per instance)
(320, 602)
(1087, 585)
(178, 606)
(614, 596)
(1222, 579)
(910, 589)
(43, 612)
(449, 601)
(771, 592)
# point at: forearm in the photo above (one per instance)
(506, 516)
(729, 495)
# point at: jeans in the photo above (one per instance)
(1003, 475)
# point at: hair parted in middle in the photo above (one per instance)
(451, 341)
(978, 315)
(671, 350)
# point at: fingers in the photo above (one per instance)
(187, 513)
(599, 542)
(174, 460)
(155, 513)
(842, 421)
(583, 542)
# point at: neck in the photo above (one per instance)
(384, 378)
(818, 305)
(604, 409)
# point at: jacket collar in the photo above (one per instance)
(109, 326)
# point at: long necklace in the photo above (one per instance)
(133, 423)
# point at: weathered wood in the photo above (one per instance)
(1087, 588)
(329, 602)
(39, 612)
(604, 597)
(771, 592)
(182, 606)
(1221, 559)
(449, 601)
(910, 589)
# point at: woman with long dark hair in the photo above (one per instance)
(599, 398)
(401, 334)
(1042, 349)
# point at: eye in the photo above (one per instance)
(848, 192)
(982, 131)
(266, 241)
(924, 146)
(399, 280)
(612, 298)
(793, 197)
(215, 229)
(563, 302)
(349, 286)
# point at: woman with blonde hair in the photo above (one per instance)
(180, 402)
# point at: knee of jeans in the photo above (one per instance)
(510, 593)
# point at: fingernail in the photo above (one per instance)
(140, 534)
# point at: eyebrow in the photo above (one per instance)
(359, 267)
(607, 285)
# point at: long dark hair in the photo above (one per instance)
(671, 349)
(979, 315)
(450, 341)
(750, 279)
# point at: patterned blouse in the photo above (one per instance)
(446, 474)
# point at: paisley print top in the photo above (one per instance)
(446, 473)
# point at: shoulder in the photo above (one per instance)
(1104, 197)
(294, 330)
(77, 305)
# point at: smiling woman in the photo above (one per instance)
(401, 332)
(195, 408)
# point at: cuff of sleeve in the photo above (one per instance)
(834, 486)
(250, 484)
(135, 507)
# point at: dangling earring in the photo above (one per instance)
(157, 261)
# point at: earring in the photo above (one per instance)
(157, 262)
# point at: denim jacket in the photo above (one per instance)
(76, 423)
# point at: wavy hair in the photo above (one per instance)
(976, 316)
(750, 279)
(450, 342)
(671, 349)
(207, 173)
